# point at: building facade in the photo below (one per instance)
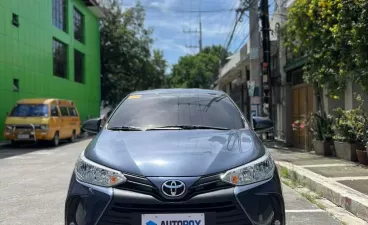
(50, 49)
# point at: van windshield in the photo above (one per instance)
(30, 110)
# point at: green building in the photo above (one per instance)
(50, 49)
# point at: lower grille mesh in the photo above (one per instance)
(224, 213)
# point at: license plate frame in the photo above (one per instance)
(160, 219)
(23, 136)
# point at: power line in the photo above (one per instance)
(239, 32)
(224, 18)
(183, 11)
(246, 37)
(241, 10)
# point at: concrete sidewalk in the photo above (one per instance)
(343, 183)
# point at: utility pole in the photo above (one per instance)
(200, 33)
(266, 65)
(196, 31)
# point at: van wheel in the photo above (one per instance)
(55, 141)
(73, 137)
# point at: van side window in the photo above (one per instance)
(64, 111)
(54, 110)
(72, 111)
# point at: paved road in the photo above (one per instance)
(34, 181)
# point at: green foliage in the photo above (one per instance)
(320, 124)
(334, 36)
(200, 70)
(127, 60)
(351, 125)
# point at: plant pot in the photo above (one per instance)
(362, 156)
(322, 147)
(346, 150)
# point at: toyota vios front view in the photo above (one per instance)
(174, 157)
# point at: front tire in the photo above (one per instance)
(73, 137)
(56, 140)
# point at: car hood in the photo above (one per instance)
(174, 153)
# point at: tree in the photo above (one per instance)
(332, 34)
(127, 63)
(200, 70)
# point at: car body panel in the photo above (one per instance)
(174, 152)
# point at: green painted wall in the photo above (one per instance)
(26, 54)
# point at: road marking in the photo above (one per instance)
(328, 165)
(41, 153)
(303, 210)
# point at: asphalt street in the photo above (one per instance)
(34, 182)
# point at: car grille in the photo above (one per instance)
(216, 213)
(23, 126)
(203, 185)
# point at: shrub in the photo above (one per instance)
(351, 125)
(320, 125)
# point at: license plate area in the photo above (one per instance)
(23, 136)
(168, 219)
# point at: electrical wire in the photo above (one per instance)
(149, 7)
(231, 25)
(242, 11)
(246, 37)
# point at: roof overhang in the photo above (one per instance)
(93, 6)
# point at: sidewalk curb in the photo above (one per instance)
(341, 195)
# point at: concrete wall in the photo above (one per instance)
(350, 102)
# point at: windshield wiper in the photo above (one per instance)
(189, 127)
(125, 128)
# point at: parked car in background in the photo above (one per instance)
(33, 120)
(176, 156)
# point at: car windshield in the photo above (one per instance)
(30, 110)
(165, 110)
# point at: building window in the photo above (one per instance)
(16, 85)
(59, 51)
(78, 25)
(59, 14)
(256, 91)
(78, 66)
(15, 20)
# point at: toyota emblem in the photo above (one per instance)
(173, 188)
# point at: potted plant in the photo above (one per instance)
(350, 132)
(320, 126)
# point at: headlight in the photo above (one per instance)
(41, 127)
(93, 173)
(44, 127)
(256, 171)
(9, 127)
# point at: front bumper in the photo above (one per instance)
(36, 135)
(260, 203)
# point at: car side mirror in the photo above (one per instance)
(92, 126)
(262, 124)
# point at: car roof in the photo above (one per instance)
(43, 101)
(178, 91)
